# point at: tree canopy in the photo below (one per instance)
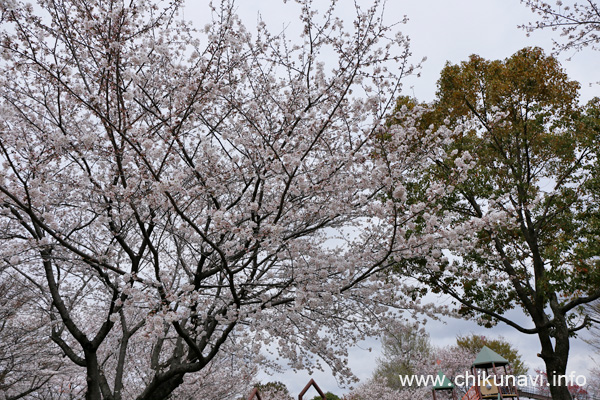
(177, 198)
(531, 195)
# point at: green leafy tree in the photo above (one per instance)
(328, 396)
(591, 231)
(529, 187)
(475, 343)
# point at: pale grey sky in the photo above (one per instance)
(441, 30)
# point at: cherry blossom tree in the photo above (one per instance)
(223, 378)
(579, 22)
(179, 199)
(272, 391)
(22, 344)
(377, 389)
(593, 383)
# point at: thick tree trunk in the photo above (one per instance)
(556, 370)
(92, 377)
(555, 357)
(559, 392)
(162, 390)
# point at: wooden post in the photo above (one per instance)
(477, 380)
(495, 379)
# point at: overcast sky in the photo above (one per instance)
(442, 31)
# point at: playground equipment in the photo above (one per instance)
(494, 385)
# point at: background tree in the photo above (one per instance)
(328, 396)
(452, 360)
(375, 389)
(404, 351)
(407, 352)
(475, 343)
(529, 196)
(182, 197)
